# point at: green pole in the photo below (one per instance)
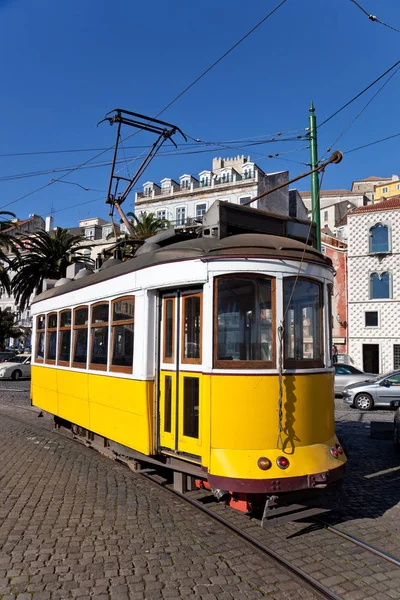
(316, 213)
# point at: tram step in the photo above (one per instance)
(293, 512)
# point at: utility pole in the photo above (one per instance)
(316, 213)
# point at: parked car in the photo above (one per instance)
(347, 374)
(396, 404)
(380, 391)
(16, 367)
(6, 355)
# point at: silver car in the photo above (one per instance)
(383, 390)
(347, 374)
(17, 367)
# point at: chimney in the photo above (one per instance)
(48, 223)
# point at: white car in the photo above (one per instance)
(17, 367)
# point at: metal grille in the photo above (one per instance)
(396, 356)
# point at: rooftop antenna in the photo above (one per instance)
(164, 132)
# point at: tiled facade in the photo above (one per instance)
(382, 337)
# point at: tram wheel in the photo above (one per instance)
(363, 402)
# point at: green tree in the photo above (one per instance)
(45, 256)
(8, 327)
(7, 245)
(147, 224)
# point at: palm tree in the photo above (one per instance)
(7, 244)
(8, 326)
(45, 256)
(147, 224)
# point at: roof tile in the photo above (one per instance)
(390, 204)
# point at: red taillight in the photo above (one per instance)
(334, 452)
(282, 462)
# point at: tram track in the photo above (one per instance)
(212, 509)
(318, 589)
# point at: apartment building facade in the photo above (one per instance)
(237, 180)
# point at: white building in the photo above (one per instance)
(374, 286)
(236, 180)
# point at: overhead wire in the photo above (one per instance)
(359, 94)
(374, 18)
(372, 143)
(361, 111)
(162, 110)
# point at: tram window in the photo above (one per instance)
(99, 336)
(303, 323)
(168, 404)
(40, 336)
(169, 330)
(80, 337)
(191, 331)
(122, 334)
(244, 322)
(64, 341)
(51, 350)
(191, 407)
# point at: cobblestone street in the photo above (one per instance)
(74, 524)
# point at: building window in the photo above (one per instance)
(379, 238)
(243, 322)
(325, 216)
(40, 336)
(180, 215)
(122, 334)
(371, 318)
(303, 323)
(51, 350)
(225, 178)
(161, 214)
(379, 285)
(89, 234)
(205, 181)
(147, 191)
(64, 341)
(245, 199)
(396, 356)
(185, 184)
(80, 327)
(384, 190)
(248, 173)
(201, 210)
(99, 336)
(107, 231)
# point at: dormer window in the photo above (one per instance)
(185, 184)
(147, 191)
(248, 171)
(205, 181)
(379, 238)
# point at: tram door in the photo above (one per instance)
(180, 373)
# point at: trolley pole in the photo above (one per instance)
(316, 213)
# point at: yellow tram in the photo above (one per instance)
(208, 354)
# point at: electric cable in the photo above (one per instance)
(374, 18)
(215, 63)
(359, 94)
(361, 111)
(390, 137)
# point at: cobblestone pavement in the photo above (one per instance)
(74, 524)
(78, 525)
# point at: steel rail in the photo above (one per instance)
(359, 542)
(318, 589)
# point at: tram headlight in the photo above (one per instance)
(264, 463)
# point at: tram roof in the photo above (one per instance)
(246, 245)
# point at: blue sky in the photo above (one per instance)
(66, 63)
